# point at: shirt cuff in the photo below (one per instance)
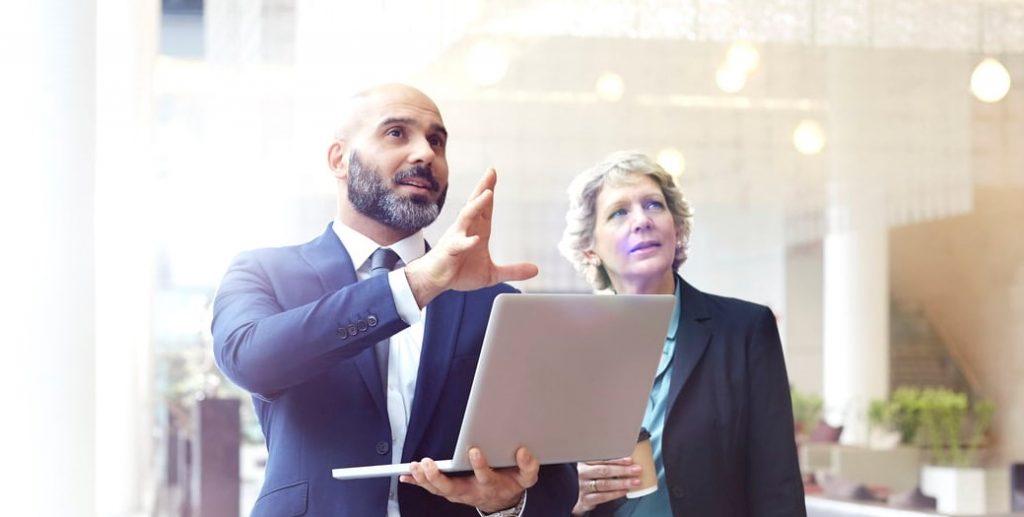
(515, 511)
(405, 302)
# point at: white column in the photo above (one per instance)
(126, 48)
(47, 99)
(856, 327)
(855, 254)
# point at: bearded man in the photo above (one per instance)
(359, 347)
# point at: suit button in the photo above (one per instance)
(351, 330)
(383, 447)
(361, 325)
(678, 492)
(371, 320)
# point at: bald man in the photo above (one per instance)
(359, 347)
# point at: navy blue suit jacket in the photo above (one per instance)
(295, 328)
(728, 445)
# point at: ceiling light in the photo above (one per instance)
(673, 161)
(990, 81)
(730, 79)
(809, 137)
(743, 55)
(610, 86)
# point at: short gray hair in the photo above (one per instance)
(581, 217)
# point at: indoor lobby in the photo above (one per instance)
(857, 166)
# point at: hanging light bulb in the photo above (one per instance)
(673, 161)
(743, 55)
(610, 86)
(990, 81)
(809, 137)
(486, 64)
(730, 79)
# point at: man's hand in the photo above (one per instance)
(603, 481)
(488, 490)
(461, 260)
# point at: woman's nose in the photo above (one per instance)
(641, 221)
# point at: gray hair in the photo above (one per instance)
(581, 217)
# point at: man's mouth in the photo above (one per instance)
(416, 182)
(419, 177)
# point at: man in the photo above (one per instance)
(352, 365)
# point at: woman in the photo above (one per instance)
(719, 412)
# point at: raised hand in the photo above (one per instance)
(461, 259)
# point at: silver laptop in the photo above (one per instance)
(565, 375)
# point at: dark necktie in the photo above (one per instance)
(382, 261)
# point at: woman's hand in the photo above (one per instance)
(603, 481)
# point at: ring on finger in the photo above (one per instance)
(593, 485)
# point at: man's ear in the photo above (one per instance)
(337, 159)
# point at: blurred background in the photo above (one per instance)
(856, 165)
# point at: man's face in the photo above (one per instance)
(394, 159)
(373, 196)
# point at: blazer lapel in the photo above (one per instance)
(692, 340)
(329, 258)
(444, 316)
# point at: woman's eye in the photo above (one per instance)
(618, 213)
(655, 204)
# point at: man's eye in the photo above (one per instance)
(436, 141)
(395, 132)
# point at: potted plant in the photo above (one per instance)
(899, 415)
(953, 431)
(806, 411)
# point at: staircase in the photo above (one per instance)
(917, 355)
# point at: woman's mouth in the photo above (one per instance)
(646, 245)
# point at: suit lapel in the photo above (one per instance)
(694, 334)
(329, 258)
(444, 316)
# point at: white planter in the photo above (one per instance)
(965, 491)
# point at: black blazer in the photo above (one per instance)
(728, 443)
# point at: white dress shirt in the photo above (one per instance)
(404, 347)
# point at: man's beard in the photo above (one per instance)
(371, 196)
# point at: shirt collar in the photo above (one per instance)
(360, 247)
(673, 324)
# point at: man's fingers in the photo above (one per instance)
(461, 244)
(419, 477)
(481, 469)
(437, 480)
(487, 182)
(529, 468)
(473, 210)
(515, 272)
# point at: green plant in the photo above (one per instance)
(901, 413)
(946, 417)
(806, 410)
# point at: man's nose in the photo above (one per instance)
(422, 152)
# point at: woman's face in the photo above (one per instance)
(635, 236)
